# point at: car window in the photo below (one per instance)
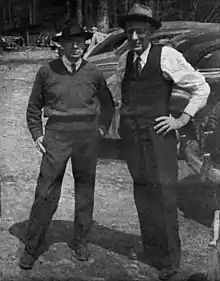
(210, 60)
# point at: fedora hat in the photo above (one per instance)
(139, 12)
(71, 31)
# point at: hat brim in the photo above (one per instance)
(85, 35)
(129, 18)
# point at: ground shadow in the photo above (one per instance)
(197, 199)
(62, 231)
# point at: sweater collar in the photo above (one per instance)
(69, 65)
(58, 67)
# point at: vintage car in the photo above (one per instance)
(201, 47)
(7, 43)
(106, 54)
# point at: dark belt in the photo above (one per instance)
(75, 118)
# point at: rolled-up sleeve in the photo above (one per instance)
(175, 67)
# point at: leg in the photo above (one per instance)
(154, 191)
(167, 174)
(84, 160)
(164, 220)
(48, 188)
(134, 159)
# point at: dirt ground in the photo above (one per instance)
(115, 219)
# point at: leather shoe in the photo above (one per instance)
(81, 252)
(27, 260)
(165, 274)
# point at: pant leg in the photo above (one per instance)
(58, 147)
(131, 148)
(165, 155)
(84, 161)
(152, 162)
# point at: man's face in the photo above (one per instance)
(73, 48)
(138, 33)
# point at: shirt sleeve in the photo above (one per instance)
(175, 67)
(34, 108)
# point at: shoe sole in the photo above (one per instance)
(89, 259)
(25, 267)
(81, 259)
(168, 276)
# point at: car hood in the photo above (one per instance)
(107, 63)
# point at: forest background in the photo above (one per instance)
(52, 14)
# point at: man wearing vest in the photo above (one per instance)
(148, 133)
(79, 107)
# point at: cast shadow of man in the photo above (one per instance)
(62, 231)
(198, 200)
(195, 199)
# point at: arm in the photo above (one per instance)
(176, 68)
(107, 108)
(34, 108)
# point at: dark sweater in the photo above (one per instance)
(146, 96)
(71, 101)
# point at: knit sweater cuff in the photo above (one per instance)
(36, 133)
(103, 128)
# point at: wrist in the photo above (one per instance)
(184, 119)
(102, 133)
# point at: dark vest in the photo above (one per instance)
(146, 95)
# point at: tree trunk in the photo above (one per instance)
(34, 10)
(10, 20)
(114, 10)
(102, 15)
(79, 12)
(30, 14)
(3, 16)
(70, 10)
(85, 19)
(185, 7)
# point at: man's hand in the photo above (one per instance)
(168, 123)
(101, 132)
(39, 144)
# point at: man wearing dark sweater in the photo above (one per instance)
(74, 97)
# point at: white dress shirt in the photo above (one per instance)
(175, 67)
(69, 65)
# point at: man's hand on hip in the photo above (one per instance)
(39, 144)
(168, 123)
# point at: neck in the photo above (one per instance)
(139, 53)
(70, 62)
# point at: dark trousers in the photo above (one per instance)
(82, 148)
(152, 162)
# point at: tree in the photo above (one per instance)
(102, 15)
(79, 15)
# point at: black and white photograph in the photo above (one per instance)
(109, 140)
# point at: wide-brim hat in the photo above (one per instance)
(71, 31)
(140, 13)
